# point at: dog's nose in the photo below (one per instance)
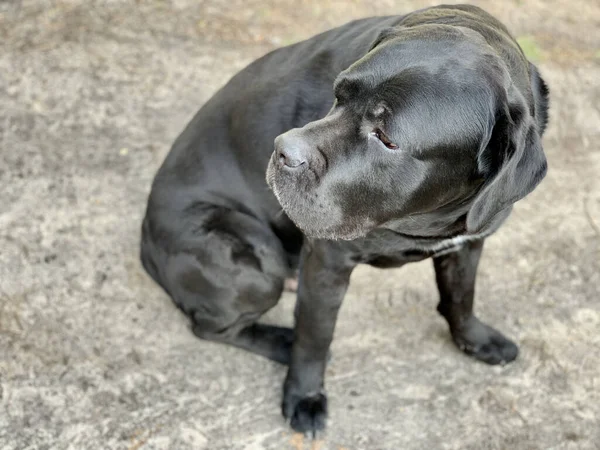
(290, 152)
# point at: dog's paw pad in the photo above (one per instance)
(307, 414)
(496, 352)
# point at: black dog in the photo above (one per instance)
(433, 134)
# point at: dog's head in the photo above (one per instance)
(428, 121)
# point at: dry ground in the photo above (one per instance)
(94, 356)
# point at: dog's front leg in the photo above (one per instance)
(323, 280)
(455, 276)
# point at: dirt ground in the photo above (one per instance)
(94, 356)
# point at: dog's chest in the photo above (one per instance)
(386, 252)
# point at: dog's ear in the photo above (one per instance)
(512, 162)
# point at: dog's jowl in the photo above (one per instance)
(385, 141)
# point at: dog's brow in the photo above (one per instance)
(379, 110)
(346, 87)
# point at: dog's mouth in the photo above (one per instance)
(314, 211)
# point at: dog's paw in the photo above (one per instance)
(485, 343)
(305, 414)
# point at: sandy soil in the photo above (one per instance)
(94, 356)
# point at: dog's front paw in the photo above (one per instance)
(306, 414)
(485, 343)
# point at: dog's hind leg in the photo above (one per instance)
(224, 274)
(270, 341)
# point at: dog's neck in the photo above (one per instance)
(445, 223)
(432, 225)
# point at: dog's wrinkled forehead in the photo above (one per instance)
(451, 54)
(432, 46)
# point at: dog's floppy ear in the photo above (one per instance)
(512, 162)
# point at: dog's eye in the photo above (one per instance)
(384, 139)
